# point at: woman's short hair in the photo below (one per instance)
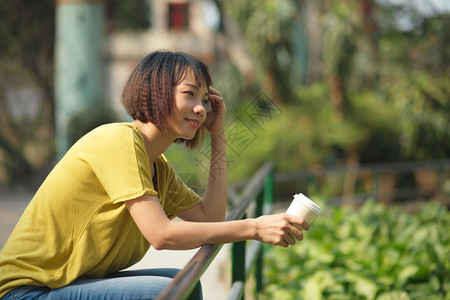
(148, 95)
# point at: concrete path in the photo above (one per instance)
(215, 281)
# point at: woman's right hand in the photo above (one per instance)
(280, 229)
(215, 121)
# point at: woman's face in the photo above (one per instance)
(189, 111)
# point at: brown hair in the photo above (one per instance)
(148, 95)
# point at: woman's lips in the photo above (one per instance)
(194, 122)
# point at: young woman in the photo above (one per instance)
(114, 193)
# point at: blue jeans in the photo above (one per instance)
(138, 284)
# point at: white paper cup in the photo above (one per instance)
(303, 207)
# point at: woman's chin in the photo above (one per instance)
(182, 139)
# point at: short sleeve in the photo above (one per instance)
(178, 196)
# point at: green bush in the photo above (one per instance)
(374, 252)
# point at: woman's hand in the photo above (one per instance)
(215, 120)
(280, 229)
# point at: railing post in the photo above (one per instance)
(268, 193)
(238, 262)
(441, 184)
(263, 206)
(260, 202)
(377, 184)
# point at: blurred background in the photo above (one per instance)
(350, 99)
(341, 90)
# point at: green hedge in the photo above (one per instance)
(374, 252)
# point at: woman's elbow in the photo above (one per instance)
(159, 246)
(159, 241)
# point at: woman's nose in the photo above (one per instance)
(199, 109)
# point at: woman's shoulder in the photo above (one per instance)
(114, 131)
(110, 135)
(115, 128)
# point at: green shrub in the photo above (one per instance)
(374, 252)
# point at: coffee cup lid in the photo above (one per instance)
(308, 203)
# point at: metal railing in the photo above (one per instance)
(258, 189)
(374, 173)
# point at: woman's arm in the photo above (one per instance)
(162, 233)
(214, 205)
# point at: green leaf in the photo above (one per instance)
(406, 273)
(366, 287)
(386, 280)
(394, 295)
(420, 236)
(312, 290)
(434, 283)
(321, 254)
(419, 290)
(363, 286)
(422, 273)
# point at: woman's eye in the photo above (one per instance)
(190, 93)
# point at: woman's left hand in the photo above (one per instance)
(215, 120)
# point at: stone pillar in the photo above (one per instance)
(78, 67)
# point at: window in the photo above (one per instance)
(178, 16)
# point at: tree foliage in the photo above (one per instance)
(350, 83)
(129, 15)
(26, 61)
(382, 93)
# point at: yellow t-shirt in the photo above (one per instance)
(77, 225)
